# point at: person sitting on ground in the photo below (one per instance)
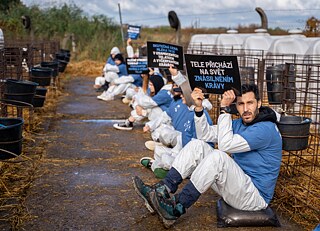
(100, 81)
(245, 181)
(174, 127)
(149, 106)
(161, 124)
(115, 76)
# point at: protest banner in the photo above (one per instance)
(137, 66)
(214, 73)
(133, 32)
(161, 55)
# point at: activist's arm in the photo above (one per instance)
(129, 49)
(145, 101)
(124, 79)
(176, 76)
(227, 140)
(204, 130)
(163, 118)
(112, 68)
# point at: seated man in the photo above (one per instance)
(245, 181)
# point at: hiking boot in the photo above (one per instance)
(127, 125)
(160, 173)
(146, 161)
(167, 208)
(143, 190)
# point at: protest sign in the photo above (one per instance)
(161, 55)
(137, 66)
(215, 73)
(133, 32)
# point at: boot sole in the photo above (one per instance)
(146, 202)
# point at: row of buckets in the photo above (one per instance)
(33, 91)
(23, 93)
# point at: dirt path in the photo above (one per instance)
(87, 169)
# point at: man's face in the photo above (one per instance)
(248, 107)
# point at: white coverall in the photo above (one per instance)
(231, 179)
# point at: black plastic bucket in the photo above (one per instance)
(22, 97)
(274, 78)
(295, 132)
(41, 75)
(41, 91)
(10, 137)
(38, 100)
(53, 65)
(62, 65)
(20, 86)
(20, 90)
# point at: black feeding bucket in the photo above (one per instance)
(274, 78)
(41, 75)
(54, 65)
(62, 65)
(38, 100)
(41, 91)
(10, 137)
(20, 90)
(295, 132)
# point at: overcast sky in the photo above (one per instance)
(287, 14)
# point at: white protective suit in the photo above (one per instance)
(151, 108)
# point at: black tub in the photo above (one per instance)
(10, 137)
(20, 90)
(53, 65)
(41, 75)
(20, 86)
(41, 91)
(62, 65)
(22, 97)
(274, 77)
(295, 132)
(38, 100)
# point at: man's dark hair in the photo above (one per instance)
(245, 88)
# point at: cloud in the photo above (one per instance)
(210, 13)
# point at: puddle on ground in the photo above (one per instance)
(102, 121)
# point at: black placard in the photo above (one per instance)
(137, 66)
(161, 55)
(133, 32)
(215, 73)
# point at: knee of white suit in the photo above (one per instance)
(111, 76)
(100, 81)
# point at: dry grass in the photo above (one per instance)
(85, 68)
(18, 174)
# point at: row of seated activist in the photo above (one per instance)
(243, 170)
